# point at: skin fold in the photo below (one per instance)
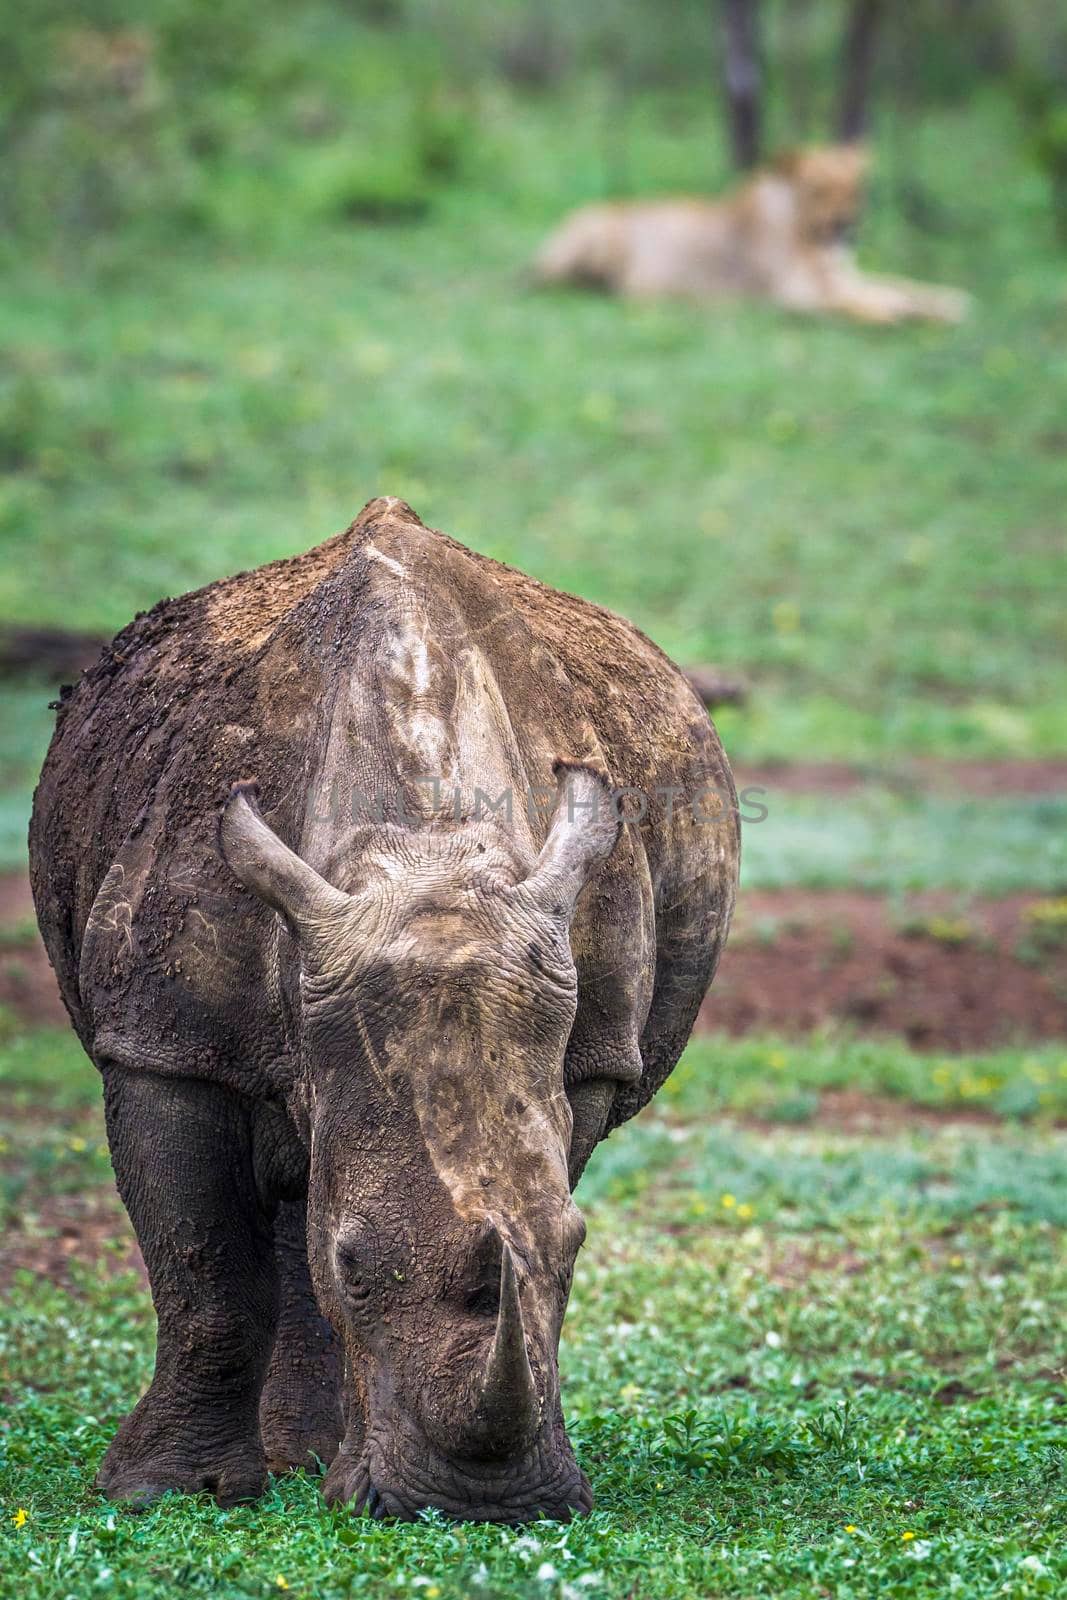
(381, 884)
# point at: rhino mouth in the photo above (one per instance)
(543, 1485)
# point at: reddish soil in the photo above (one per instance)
(797, 960)
(853, 1111)
(27, 983)
(71, 1229)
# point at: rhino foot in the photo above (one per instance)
(147, 1459)
(348, 1483)
(300, 1442)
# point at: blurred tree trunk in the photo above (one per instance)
(796, 68)
(740, 20)
(857, 69)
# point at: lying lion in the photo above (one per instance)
(782, 236)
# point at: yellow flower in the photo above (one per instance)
(907, 1536)
(78, 1144)
(955, 1261)
(432, 1592)
(744, 1211)
(280, 1581)
(850, 1527)
(729, 1201)
(21, 1517)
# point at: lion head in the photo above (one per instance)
(829, 183)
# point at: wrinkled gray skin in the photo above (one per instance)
(353, 1065)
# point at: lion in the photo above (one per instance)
(781, 236)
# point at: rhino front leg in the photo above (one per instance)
(591, 1104)
(348, 1480)
(300, 1408)
(182, 1154)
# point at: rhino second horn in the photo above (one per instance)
(508, 1408)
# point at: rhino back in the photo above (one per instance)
(151, 938)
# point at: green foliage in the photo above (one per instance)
(806, 502)
(881, 840)
(795, 1361)
(756, 1076)
(25, 729)
(213, 352)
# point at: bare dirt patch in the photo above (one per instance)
(853, 1111)
(82, 1230)
(27, 982)
(798, 960)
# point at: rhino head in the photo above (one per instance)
(435, 1003)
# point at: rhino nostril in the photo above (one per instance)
(484, 1299)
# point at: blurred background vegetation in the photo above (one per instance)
(261, 263)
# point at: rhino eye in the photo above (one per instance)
(356, 1269)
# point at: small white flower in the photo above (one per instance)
(920, 1549)
(546, 1572)
(772, 1340)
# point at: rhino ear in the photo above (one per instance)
(258, 859)
(584, 830)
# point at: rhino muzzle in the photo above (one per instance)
(400, 1474)
(482, 1437)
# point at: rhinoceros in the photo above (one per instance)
(381, 883)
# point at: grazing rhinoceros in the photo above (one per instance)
(360, 1034)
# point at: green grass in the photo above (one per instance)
(25, 728)
(760, 1076)
(866, 522)
(786, 1351)
(881, 842)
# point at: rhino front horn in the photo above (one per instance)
(507, 1409)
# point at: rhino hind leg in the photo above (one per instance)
(181, 1150)
(300, 1407)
